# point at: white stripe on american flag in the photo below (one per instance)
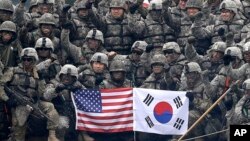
(116, 116)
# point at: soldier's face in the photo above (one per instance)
(216, 56)
(43, 52)
(5, 15)
(46, 29)
(93, 44)
(34, 9)
(226, 15)
(7, 36)
(182, 4)
(45, 8)
(247, 57)
(98, 67)
(67, 79)
(136, 54)
(191, 76)
(117, 13)
(28, 62)
(82, 13)
(171, 56)
(117, 75)
(192, 11)
(157, 68)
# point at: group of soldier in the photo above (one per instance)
(51, 49)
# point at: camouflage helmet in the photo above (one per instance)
(44, 42)
(117, 4)
(45, 1)
(194, 4)
(246, 84)
(95, 34)
(81, 5)
(117, 65)
(155, 5)
(219, 46)
(47, 18)
(6, 5)
(171, 45)
(29, 52)
(100, 57)
(234, 51)
(192, 67)
(8, 26)
(246, 47)
(69, 69)
(229, 5)
(139, 45)
(158, 59)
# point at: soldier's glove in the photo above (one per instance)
(237, 38)
(229, 104)
(11, 102)
(227, 59)
(197, 17)
(98, 80)
(60, 87)
(133, 8)
(66, 8)
(89, 4)
(163, 85)
(167, 3)
(191, 40)
(23, 1)
(76, 86)
(139, 2)
(149, 47)
(221, 31)
(190, 96)
(67, 25)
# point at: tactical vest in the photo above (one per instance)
(8, 55)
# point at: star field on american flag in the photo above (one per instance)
(88, 100)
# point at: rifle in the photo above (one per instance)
(22, 100)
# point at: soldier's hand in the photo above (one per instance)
(227, 59)
(229, 104)
(190, 96)
(191, 40)
(76, 86)
(149, 48)
(133, 8)
(66, 8)
(139, 2)
(67, 25)
(89, 4)
(111, 55)
(221, 31)
(98, 80)
(60, 87)
(167, 3)
(198, 16)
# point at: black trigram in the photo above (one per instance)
(148, 99)
(178, 102)
(149, 122)
(179, 122)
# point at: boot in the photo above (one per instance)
(52, 136)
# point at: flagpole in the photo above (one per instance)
(208, 110)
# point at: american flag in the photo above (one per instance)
(105, 110)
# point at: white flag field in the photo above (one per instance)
(160, 111)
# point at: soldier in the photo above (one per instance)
(96, 71)
(119, 35)
(176, 61)
(6, 11)
(33, 8)
(212, 61)
(59, 92)
(81, 55)
(156, 80)
(25, 81)
(48, 66)
(135, 67)
(228, 21)
(201, 102)
(81, 25)
(135, 7)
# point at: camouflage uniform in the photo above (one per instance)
(206, 62)
(220, 29)
(60, 94)
(89, 77)
(119, 35)
(28, 85)
(81, 55)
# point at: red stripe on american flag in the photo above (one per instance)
(105, 131)
(116, 116)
